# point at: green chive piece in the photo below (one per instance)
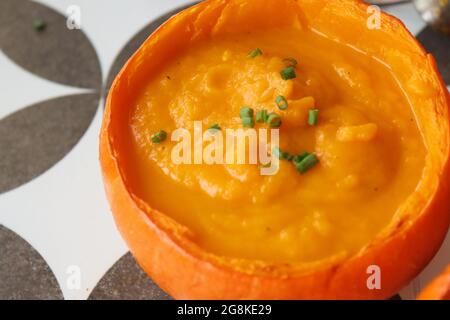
(248, 122)
(281, 103)
(261, 116)
(282, 155)
(39, 25)
(288, 73)
(291, 62)
(267, 165)
(274, 120)
(159, 137)
(246, 112)
(299, 158)
(255, 53)
(307, 163)
(313, 117)
(215, 127)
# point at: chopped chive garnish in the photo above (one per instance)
(288, 73)
(255, 53)
(39, 25)
(248, 122)
(313, 116)
(299, 158)
(309, 162)
(282, 155)
(261, 116)
(267, 165)
(281, 103)
(215, 127)
(246, 112)
(274, 120)
(159, 137)
(291, 62)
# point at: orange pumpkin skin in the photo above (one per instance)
(163, 247)
(438, 289)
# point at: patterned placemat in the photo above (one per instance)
(57, 238)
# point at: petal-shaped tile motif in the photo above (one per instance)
(23, 272)
(437, 44)
(126, 281)
(33, 139)
(55, 53)
(135, 43)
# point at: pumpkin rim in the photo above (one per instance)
(438, 288)
(163, 225)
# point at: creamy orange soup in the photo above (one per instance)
(370, 150)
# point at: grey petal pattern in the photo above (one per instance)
(33, 139)
(126, 281)
(55, 53)
(24, 274)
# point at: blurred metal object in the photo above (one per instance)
(435, 13)
(387, 2)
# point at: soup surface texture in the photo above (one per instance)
(370, 150)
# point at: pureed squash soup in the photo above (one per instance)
(343, 106)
